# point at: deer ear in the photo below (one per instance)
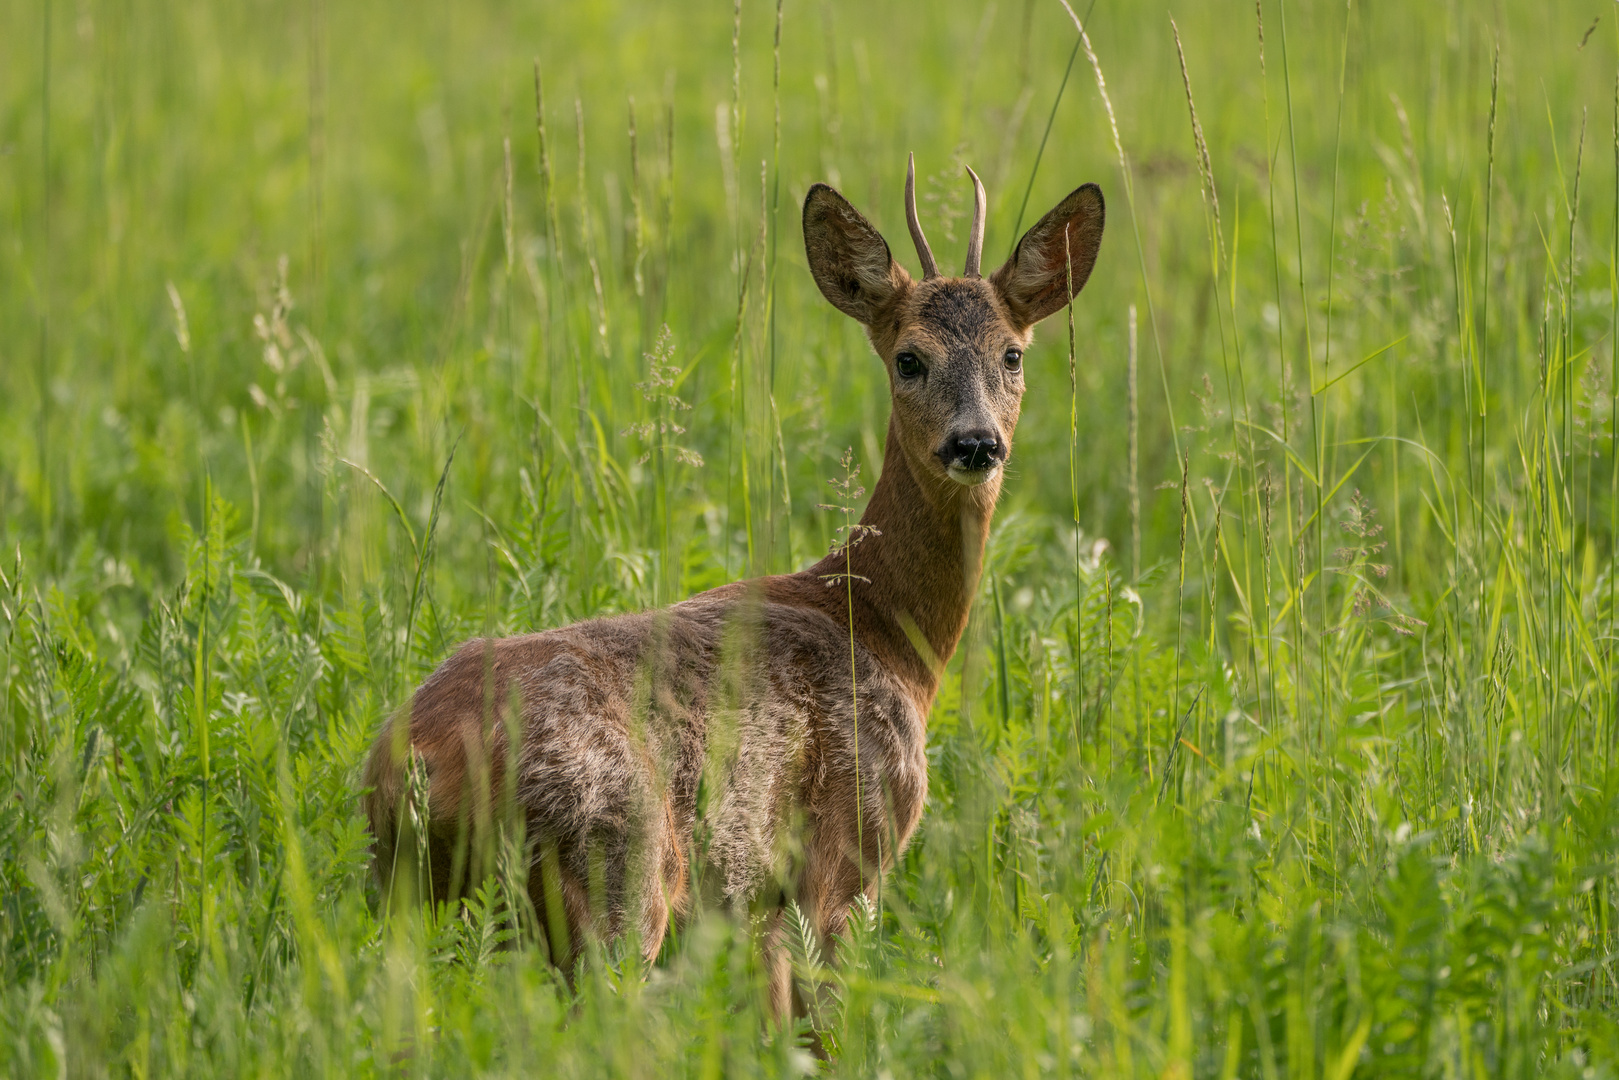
(1034, 283)
(849, 258)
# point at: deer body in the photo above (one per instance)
(730, 724)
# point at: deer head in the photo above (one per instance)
(953, 346)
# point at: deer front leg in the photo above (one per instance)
(777, 955)
(790, 998)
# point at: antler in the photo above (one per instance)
(929, 268)
(975, 238)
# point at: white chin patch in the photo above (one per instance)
(971, 477)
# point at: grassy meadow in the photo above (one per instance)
(1282, 741)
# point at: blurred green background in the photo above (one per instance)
(198, 145)
(318, 357)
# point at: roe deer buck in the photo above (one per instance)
(740, 714)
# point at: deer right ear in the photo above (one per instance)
(1054, 259)
(849, 258)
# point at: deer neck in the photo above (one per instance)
(915, 567)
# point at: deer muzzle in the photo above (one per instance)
(971, 457)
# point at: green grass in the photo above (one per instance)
(301, 384)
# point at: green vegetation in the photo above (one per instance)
(319, 358)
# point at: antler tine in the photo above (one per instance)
(930, 269)
(975, 238)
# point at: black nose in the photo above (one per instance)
(971, 450)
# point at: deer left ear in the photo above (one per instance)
(849, 258)
(1061, 248)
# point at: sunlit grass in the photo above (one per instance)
(321, 356)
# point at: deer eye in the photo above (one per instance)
(908, 366)
(1013, 359)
